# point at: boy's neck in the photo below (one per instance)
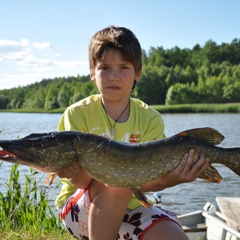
(118, 110)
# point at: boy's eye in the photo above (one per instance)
(103, 68)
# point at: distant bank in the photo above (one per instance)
(181, 108)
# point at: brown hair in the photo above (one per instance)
(119, 38)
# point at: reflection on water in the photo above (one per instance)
(182, 198)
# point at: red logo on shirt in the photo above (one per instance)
(134, 137)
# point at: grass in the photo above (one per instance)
(33, 110)
(199, 108)
(25, 212)
(179, 108)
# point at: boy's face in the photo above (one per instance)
(114, 76)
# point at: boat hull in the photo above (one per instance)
(203, 225)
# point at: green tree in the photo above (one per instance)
(210, 52)
(4, 101)
(51, 101)
(231, 93)
(152, 88)
(180, 93)
(64, 95)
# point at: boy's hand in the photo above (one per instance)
(186, 171)
(70, 172)
(77, 176)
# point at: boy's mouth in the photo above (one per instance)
(114, 87)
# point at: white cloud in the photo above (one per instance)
(13, 50)
(15, 80)
(34, 62)
(70, 64)
(43, 45)
(23, 77)
(10, 45)
(25, 66)
(21, 55)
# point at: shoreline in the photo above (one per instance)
(180, 108)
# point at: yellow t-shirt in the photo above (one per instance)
(144, 124)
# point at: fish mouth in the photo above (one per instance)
(15, 153)
(15, 149)
(9, 157)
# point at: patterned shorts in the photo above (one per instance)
(74, 215)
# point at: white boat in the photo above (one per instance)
(210, 224)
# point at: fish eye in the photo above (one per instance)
(37, 146)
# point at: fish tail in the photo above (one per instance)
(237, 170)
(211, 175)
(232, 160)
(141, 197)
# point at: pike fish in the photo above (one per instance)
(119, 164)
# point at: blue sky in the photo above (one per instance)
(49, 38)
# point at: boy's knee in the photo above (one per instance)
(110, 192)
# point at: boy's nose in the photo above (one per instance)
(114, 75)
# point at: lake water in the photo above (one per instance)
(183, 198)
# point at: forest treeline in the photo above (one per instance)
(208, 74)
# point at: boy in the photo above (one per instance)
(88, 208)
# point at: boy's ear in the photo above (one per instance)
(138, 76)
(92, 74)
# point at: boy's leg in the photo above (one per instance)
(74, 213)
(151, 223)
(107, 211)
(141, 223)
(96, 212)
(165, 230)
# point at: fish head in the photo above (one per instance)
(47, 152)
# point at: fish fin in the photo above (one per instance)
(141, 197)
(50, 178)
(206, 134)
(211, 175)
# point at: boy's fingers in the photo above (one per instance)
(70, 172)
(204, 164)
(200, 166)
(190, 158)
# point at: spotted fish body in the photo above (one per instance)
(116, 163)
